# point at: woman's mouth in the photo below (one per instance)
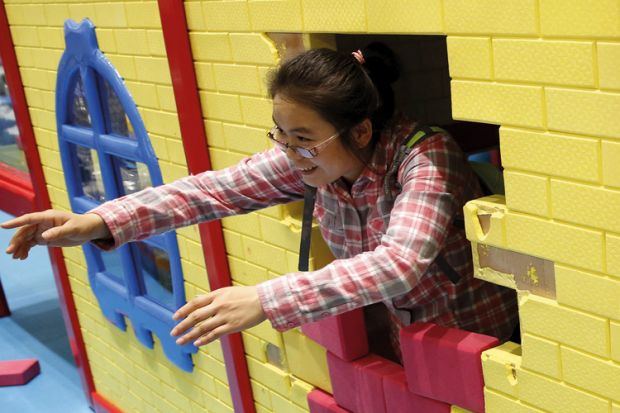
(307, 171)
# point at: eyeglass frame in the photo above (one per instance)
(307, 153)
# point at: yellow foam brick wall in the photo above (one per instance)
(546, 71)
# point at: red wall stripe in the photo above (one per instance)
(180, 60)
(42, 200)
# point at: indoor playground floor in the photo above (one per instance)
(35, 329)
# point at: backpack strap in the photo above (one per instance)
(306, 228)
(417, 135)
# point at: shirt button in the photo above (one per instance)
(290, 324)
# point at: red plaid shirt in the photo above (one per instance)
(385, 245)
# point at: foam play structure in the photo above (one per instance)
(179, 88)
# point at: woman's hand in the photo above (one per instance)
(54, 228)
(220, 312)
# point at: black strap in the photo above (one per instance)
(306, 228)
(445, 266)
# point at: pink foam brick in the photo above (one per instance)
(343, 335)
(370, 376)
(444, 363)
(398, 398)
(18, 372)
(321, 402)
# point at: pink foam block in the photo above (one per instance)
(398, 398)
(370, 376)
(321, 402)
(444, 363)
(18, 372)
(343, 335)
(358, 385)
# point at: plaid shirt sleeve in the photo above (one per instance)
(259, 181)
(432, 185)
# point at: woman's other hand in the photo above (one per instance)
(220, 312)
(53, 228)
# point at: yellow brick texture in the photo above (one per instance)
(573, 157)
(546, 318)
(517, 17)
(245, 139)
(608, 62)
(276, 16)
(194, 16)
(253, 48)
(544, 61)
(586, 205)
(580, 111)
(262, 395)
(527, 193)
(223, 16)
(555, 396)
(404, 16)
(343, 16)
(541, 355)
(501, 367)
(611, 163)
(554, 241)
(248, 225)
(241, 79)
(494, 103)
(596, 375)
(271, 377)
(143, 14)
(307, 360)
(221, 106)
(495, 209)
(612, 249)
(204, 76)
(210, 46)
(265, 255)
(615, 341)
(470, 57)
(284, 405)
(582, 18)
(498, 403)
(110, 15)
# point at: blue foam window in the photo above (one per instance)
(106, 153)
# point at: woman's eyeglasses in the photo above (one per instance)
(276, 135)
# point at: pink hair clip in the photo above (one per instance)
(359, 56)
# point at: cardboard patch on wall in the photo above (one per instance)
(533, 274)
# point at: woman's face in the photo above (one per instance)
(301, 126)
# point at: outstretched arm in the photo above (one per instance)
(53, 228)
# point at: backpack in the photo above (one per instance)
(489, 177)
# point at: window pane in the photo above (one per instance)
(78, 111)
(134, 175)
(11, 150)
(113, 265)
(90, 173)
(118, 122)
(154, 265)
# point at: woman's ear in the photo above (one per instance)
(362, 133)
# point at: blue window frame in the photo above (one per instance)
(106, 153)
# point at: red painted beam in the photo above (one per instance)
(102, 405)
(16, 193)
(180, 60)
(42, 200)
(4, 304)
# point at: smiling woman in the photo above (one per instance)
(385, 210)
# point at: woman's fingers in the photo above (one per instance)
(197, 316)
(204, 328)
(213, 335)
(27, 219)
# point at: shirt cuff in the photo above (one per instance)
(279, 304)
(119, 222)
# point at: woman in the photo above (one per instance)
(335, 130)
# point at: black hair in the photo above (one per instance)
(340, 88)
